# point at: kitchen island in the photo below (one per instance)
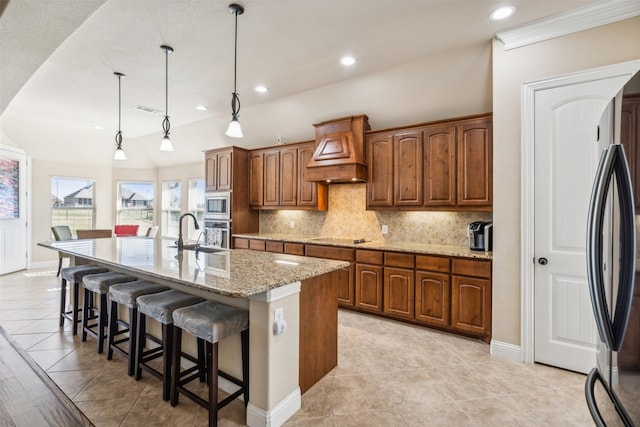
(304, 289)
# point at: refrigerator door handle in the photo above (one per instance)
(594, 249)
(627, 241)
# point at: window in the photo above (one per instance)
(196, 205)
(170, 208)
(72, 203)
(135, 204)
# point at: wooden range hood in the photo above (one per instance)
(339, 155)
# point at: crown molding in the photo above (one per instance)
(572, 21)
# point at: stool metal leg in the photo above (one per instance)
(167, 345)
(85, 313)
(141, 334)
(63, 300)
(112, 328)
(102, 321)
(175, 368)
(133, 339)
(76, 287)
(212, 376)
(244, 337)
(202, 369)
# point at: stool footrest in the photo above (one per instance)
(230, 378)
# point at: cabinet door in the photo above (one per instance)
(471, 305)
(475, 163)
(369, 287)
(398, 297)
(380, 170)
(288, 177)
(346, 297)
(271, 178)
(440, 165)
(407, 168)
(211, 171)
(307, 190)
(224, 170)
(256, 179)
(433, 292)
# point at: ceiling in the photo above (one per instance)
(58, 58)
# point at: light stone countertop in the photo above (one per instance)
(457, 251)
(235, 273)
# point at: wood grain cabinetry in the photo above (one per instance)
(449, 293)
(278, 178)
(368, 280)
(433, 290)
(471, 296)
(441, 166)
(218, 170)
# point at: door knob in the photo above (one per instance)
(542, 261)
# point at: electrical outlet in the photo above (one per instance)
(292, 224)
(279, 325)
(385, 229)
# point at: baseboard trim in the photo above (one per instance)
(257, 417)
(505, 350)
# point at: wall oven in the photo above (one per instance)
(217, 205)
(217, 234)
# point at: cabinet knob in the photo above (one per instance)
(542, 261)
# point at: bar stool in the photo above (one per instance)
(98, 284)
(74, 275)
(212, 322)
(126, 294)
(160, 306)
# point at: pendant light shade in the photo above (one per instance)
(119, 154)
(234, 130)
(166, 144)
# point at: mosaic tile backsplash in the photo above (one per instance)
(348, 218)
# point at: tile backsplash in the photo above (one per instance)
(348, 218)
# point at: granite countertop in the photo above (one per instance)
(457, 251)
(235, 273)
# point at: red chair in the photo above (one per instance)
(125, 230)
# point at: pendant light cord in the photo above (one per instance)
(119, 133)
(166, 82)
(235, 100)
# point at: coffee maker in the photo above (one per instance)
(480, 236)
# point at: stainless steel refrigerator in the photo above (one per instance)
(611, 270)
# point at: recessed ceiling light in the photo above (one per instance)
(261, 89)
(502, 12)
(347, 60)
(98, 127)
(201, 107)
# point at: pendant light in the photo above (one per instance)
(234, 130)
(166, 144)
(119, 154)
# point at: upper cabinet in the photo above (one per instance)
(441, 166)
(218, 169)
(278, 179)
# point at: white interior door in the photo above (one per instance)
(566, 157)
(13, 210)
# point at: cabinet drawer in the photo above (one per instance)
(432, 263)
(369, 257)
(330, 252)
(240, 243)
(274, 246)
(257, 245)
(294, 248)
(470, 267)
(394, 259)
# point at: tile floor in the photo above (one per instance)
(388, 374)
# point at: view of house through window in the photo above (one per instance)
(72, 203)
(135, 204)
(196, 206)
(170, 208)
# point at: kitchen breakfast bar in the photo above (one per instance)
(303, 290)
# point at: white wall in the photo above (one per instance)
(597, 47)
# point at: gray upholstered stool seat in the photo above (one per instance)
(160, 307)
(212, 322)
(127, 294)
(98, 284)
(74, 275)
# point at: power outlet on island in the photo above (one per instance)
(385, 229)
(279, 325)
(292, 224)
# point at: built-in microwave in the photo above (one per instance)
(217, 205)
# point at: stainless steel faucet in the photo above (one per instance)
(180, 243)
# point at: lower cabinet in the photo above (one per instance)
(449, 293)
(433, 292)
